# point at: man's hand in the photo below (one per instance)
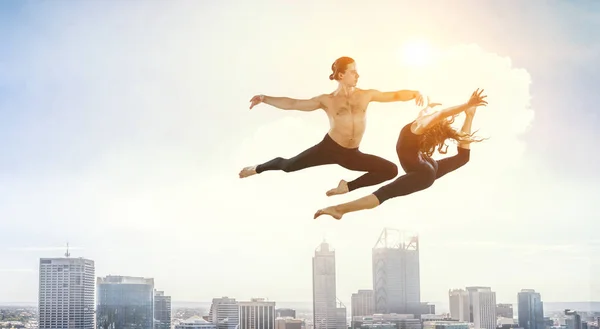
(418, 98)
(256, 100)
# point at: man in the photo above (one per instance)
(346, 108)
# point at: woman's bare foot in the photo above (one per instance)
(248, 171)
(340, 189)
(331, 211)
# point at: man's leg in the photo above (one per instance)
(314, 156)
(378, 171)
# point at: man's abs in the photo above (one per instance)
(347, 119)
(347, 130)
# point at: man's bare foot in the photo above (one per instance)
(331, 211)
(248, 171)
(340, 189)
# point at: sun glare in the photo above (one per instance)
(416, 53)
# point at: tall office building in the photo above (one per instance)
(66, 293)
(162, 310)
(505, 311)
(285, 313)
(459, 305)
(326, 313)
(257, 314)
(125, 302)
(396, 274)
(483, 307)
(429, 308)
(573, 320)
(362, 303)
(530, 310)
(224, 313)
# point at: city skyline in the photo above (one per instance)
(124, 125)
(390, 240)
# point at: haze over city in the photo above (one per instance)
(123, 126)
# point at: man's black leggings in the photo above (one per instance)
(329, 152)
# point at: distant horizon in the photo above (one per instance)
(546, 303)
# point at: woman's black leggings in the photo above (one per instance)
(421, 174)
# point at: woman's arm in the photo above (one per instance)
(466, 128)
(422, 123)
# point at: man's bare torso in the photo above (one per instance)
(347, 117)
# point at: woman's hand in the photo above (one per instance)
(477, 99)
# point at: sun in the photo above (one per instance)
(416, 53)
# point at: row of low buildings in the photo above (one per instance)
(258, 313)
(67, 289)
(70, 296)
(395, 299)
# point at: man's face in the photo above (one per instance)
(350, 77)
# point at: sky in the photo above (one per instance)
(123, 126)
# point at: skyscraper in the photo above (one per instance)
(257, 314)
(66, 293)
(326, 313)
(483, 307)
(573, 320)
(396, 274)
(125, 302)
(285, 313)
(162, 310)
(505, 311)
(224, 313)
(459, 305)
(362, 303)
(530, 309)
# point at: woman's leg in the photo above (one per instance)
(403, 185)
(452, 163)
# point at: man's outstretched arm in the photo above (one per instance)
(286, 103)
(395, 96)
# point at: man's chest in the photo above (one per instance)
(342, 106)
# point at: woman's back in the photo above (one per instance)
(408, 148)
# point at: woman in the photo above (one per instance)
(416, 143)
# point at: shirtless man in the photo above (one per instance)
(346, 108)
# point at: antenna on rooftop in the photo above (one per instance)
(67, 254)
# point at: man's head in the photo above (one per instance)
(344, 71)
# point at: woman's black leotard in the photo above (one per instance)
(421, 170)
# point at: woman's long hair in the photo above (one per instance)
(436, 136)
